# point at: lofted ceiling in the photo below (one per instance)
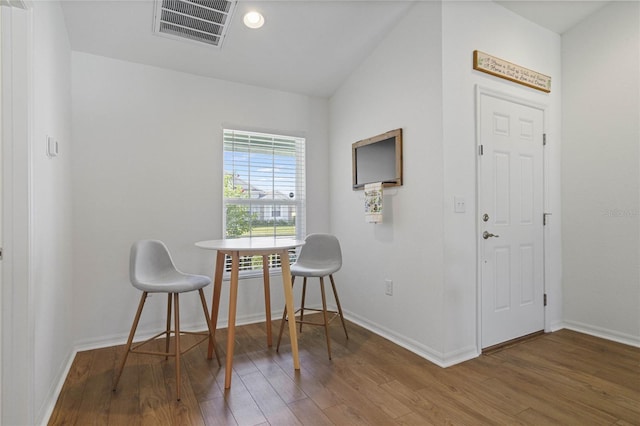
(555, 15)
(305, 46)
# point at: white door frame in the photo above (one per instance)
(481, 90)
(17, 338)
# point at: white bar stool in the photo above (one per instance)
(319, 257)
(152, 270)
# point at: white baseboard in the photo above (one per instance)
(439, 358)
(555, 326)
(615, 336)
(121, 339)
(53, 396)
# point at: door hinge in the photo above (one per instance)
(545, 299)
(481, 150)
(1, 253)
(544, 139)
(544, 218)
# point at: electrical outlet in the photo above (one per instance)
(388, 289)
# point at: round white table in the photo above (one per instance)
(260, 246)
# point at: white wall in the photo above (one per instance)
(399, 85)
(51, 206)
(601, 173)
(40, 194)
(488, 27)
(423, 71)
(17, 316)
(147, 164)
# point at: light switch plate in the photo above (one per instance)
(459, 205)
(52, 147)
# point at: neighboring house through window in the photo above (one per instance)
(264, 189)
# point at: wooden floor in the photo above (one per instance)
(564, 378)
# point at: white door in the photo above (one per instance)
(511, 215)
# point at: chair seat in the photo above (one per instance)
(172, 282)
(314, 270)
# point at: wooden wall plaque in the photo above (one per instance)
(512, 72)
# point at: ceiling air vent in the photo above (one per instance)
(201, 21)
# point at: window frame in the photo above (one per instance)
(253, 264)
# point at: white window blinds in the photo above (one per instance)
(264, 188)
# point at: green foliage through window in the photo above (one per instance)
(238, 218)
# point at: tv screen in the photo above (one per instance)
(378, 159)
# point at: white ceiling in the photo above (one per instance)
(558, 16)
(305, 46)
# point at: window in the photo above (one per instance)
(264, 189)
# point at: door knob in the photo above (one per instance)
(487, 235)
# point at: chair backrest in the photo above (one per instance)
(149, 259)
(321, 250)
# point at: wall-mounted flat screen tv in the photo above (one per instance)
(378, 159)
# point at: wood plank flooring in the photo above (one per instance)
(563, 378)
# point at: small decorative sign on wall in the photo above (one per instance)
(373, 202)
(512, 72)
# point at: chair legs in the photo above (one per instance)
(304, 293)
(177, 352)
(335, 294)
(166, 346)
(177, 341)
(325, 312)
(127, 349)
(325, 321)
(212, 332)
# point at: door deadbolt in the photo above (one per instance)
(485, 217)
(486, 235)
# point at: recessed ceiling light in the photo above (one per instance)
(253, 19)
